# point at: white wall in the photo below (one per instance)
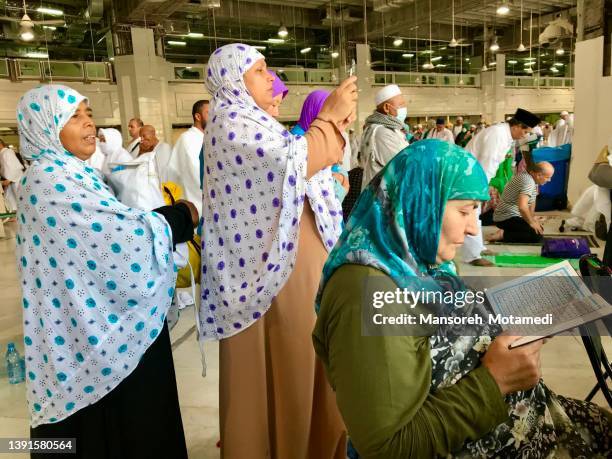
(592, 128)
(539, 100)
(103, 98)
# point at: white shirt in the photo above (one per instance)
(347, 153)
(10, 167)
(444, 134)
(184, 165)
(97, 159)
(491, 146)
(135, 146)
(163, 152)
(384, 144)
(457, 130)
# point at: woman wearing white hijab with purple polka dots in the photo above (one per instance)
(270, 218)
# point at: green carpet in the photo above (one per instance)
(526, 260)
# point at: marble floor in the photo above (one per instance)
(565, 365)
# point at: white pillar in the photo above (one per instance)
(143, 85)
(365, 82)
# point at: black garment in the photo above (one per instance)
(486, 218)
(355, 178)
(607, 257)
(139, 419)
(135, 147)
(518, 230)
(179, 219)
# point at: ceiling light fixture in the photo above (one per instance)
(282, 31)
(554, 70)
(305, 50)
(453, 43)
(50, 11)
(335, 54)
(429, 65)
(435, 59)
(512, 62)
(177, 43)
(26, 28)
(503, 9)
(559, 64)
(407, 55)
(398, 42)
(521, 48)
(494, 46)
(37, 55)
(195, 35)
(259, 47)
(276, 41)
(48, 27)
(560, 51)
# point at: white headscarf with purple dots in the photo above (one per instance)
(97, 277)
(254, 190)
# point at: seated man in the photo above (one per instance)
(515, 213)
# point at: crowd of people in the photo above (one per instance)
(282, 262)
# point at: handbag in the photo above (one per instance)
(574, 247)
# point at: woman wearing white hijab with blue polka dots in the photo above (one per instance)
(97, 280)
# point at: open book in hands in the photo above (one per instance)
(556, 295)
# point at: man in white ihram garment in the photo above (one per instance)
(184, 165)
(11, 171)
(384, 134)
(149, 143)
(563, 132)
(134, 130)
(490, 148)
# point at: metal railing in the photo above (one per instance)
(426, 79)
(196, 73)
(538, 82)
(44, 70)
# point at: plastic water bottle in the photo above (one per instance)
(13, 364)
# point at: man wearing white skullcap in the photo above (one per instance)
(385, 133)
(563, 131)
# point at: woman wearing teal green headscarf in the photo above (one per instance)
(442, 393)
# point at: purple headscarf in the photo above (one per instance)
(278, 87)
(311, 108)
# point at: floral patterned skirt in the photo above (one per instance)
(542, 424)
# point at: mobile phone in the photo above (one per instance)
(352, 69)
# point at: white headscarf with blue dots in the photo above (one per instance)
(97, 276)
(254, 191)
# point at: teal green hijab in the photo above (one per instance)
(396, 223)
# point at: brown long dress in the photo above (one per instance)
(274, 398)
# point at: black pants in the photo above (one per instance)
(518, 230)
(139, 419)
(607, 257)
